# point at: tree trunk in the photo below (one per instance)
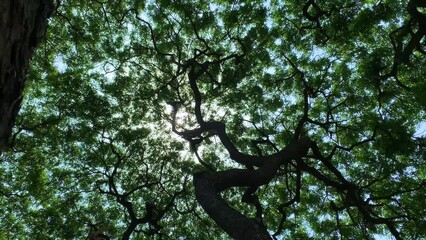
(208, 187)
(22, 25)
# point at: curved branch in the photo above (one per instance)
(209, 185)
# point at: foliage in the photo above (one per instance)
(111, 130)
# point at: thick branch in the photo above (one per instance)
(209, 185)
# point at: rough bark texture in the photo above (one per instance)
(22, 25)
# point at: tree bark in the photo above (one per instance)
(22, 25)
(209, 185)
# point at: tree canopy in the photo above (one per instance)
(202, 119)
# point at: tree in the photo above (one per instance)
(22, 27)
(201, 120)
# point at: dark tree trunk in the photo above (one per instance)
(234, 223)
(22, 25)
(208, 187)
